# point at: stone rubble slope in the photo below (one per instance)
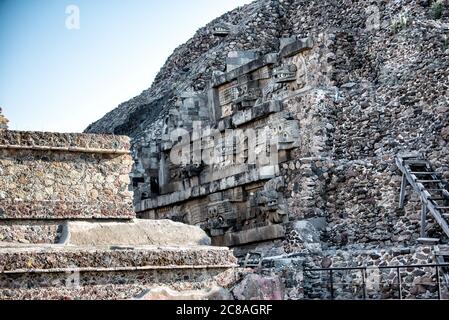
(380, 66)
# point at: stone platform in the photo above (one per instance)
(61, 272)
(68, 229)
(132, 233)
(115, 260)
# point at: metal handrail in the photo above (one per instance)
(331, 271)
(379, 267)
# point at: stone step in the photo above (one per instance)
(57, 258)
(430, 241)
(410, 155)
(424, 173)
(416, 162)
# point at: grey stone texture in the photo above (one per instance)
(133, 233)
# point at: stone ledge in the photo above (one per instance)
(58, 258)
(134, 233)
(253, 175)
(258, 111)
(64, 142)
(269, 59)
(65, 149)
(271, 232)
(51, 210)
(258, 63)
(113, 285)
(296, 47)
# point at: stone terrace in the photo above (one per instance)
(68, 229)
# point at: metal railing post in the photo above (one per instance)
(423, 220)
(331, 274)
(402, 192)
(438, 281)
(398, 270)
(364, 283)
(364, 277)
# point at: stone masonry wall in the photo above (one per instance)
(417, 283)
(64, 176)
(68, 229)
(29, 231)
(299, 283)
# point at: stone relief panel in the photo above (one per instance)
(232, 187)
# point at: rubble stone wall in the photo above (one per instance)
(299, 283)
(3, 121)
(64, 176)
(30, 231)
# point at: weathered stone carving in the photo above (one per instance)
(192, 170)
(225, 188)
(246, 96)
(285, 73)
(221, 30)
(286, 132)
(352, 122)
(221, 216)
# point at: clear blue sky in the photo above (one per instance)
(56, 79)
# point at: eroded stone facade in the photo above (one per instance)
(345, 96)
(381, 89)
